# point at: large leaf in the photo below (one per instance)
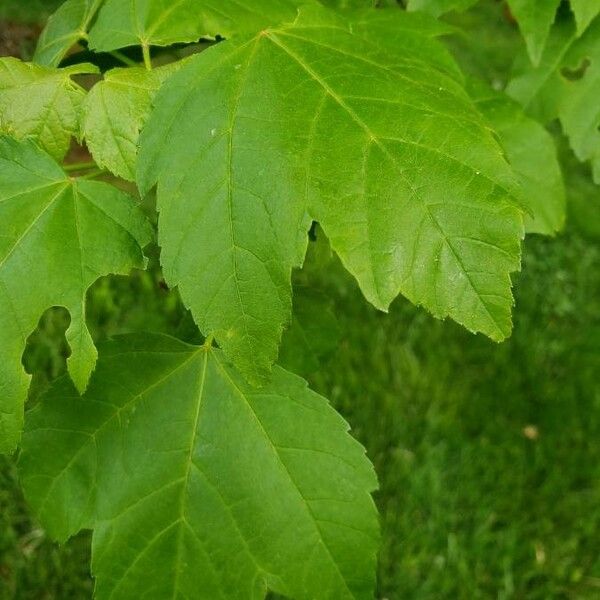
(531, 151)
(114, 112)
(58, 236)
(535, 18)
(163, 22)
(199, 486)
(41, 103)
(389, 155)
(67, 26)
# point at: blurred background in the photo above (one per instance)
(488, 454)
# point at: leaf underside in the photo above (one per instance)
(198, 485)
(58, 236)
(255, 138)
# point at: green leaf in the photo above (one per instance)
(41, 103)
(538, 88)
(531, 151)
(124, 23)
(198, 485)
(535, 18)
(390, 156)
(114, 112)
(67, 26)
(313, 333)
(585, 11)
(567, 86)
(406, 35)
(583, 197)
(58, 236)
(440, 7)
(579, 109)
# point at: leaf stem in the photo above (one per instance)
(147, 58)
(124, 59)
(80, 166)
(95, 173)
(208, 342)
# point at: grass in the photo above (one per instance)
(488, 455)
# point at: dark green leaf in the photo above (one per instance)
(313, 333)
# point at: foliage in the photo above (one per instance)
(423, 181)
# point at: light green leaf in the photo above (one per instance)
(114, 112)
(313, 333)
(531, 151)
(538, 89)
(585, 11)
(579, 108)
(41, 103)
(440, 7)
(389, 156)
(58, 236)
(567, 86)
(67, 26)
(535, 18)
(163, 22)
(199, 486)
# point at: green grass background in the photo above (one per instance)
(488, 455)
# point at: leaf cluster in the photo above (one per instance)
(206, 471)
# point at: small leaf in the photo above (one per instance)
(585, 11)
(198, 485)
(579, 109)
(67, 26)
(58, 236)
(41, 103)
(538, 89)
(567, 86)
(535, 18)
(531, 152)
(389, 155)
(114, 112)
